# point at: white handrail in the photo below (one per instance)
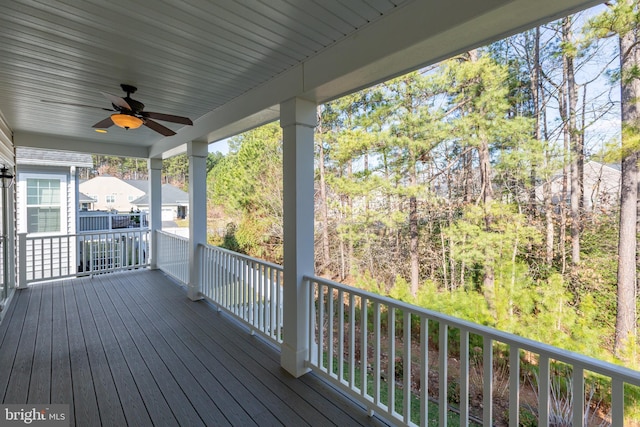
(173, 255)
(102, 221)
(347, 323)
(338, 309)
(50, 257)
(248, 288)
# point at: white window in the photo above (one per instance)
(131, 198)
(43, 205)
(110, 198)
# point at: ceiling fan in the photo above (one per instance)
(130, 114)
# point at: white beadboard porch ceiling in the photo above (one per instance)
(225, 64)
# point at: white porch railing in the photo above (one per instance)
(104, 221)
(248, 288)
(387, 368)
(58, 256)
(173, 255)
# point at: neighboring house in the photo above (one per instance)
(110, 193)
(86, 202)
(601, 187)
(123, 195)
(47, 194)
(175, 203)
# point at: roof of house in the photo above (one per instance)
(170, 196)
(83, 198)
(42, 157)
(140, 184)
(589, 167)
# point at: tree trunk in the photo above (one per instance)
(350, 252)
(486, 197)
(565, 177)
(535, 95)
(488, 282)
(626, 296)
(413, 244)
(577, 151)
(324, 210)
(414, 266)
(468, 176)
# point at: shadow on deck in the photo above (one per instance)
(131, 349)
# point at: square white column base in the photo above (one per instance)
(294, 361)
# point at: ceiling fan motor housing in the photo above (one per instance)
(136, 106)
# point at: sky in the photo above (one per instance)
(221, 146)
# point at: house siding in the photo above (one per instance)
(102, 186)
(8, 247)
(601, 188)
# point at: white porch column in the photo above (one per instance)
(197, 152)
(155, 208)
(298, 119)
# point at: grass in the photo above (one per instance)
(453, 418)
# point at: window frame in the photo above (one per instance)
(64, 202)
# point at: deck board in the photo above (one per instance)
(196, 361)
(155, 403)
(40, 384)
(18, 387)
(131, 349)
(61, 385)
(85, 405)
(237, 383)
(180, 405)
(109, 404)
(134, 410)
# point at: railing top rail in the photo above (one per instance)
(107, 213)
(84, 234)
(116, 231)
(242, 256)
(172, 235)
(588, 363)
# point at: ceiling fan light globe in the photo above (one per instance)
(126, 121)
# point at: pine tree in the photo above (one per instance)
(622, 20)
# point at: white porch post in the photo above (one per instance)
(298, 119)
(197, 152)
(155, 208)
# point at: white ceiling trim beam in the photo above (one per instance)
(252, 109)
(417, 34)
(225, 130)
(37, 140)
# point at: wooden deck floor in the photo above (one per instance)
(131, 349)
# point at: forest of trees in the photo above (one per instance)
(459, 187)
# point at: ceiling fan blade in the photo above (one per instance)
(103, 124)
(167, 117)
(116, 100)
(158, 127)
(75, 105)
